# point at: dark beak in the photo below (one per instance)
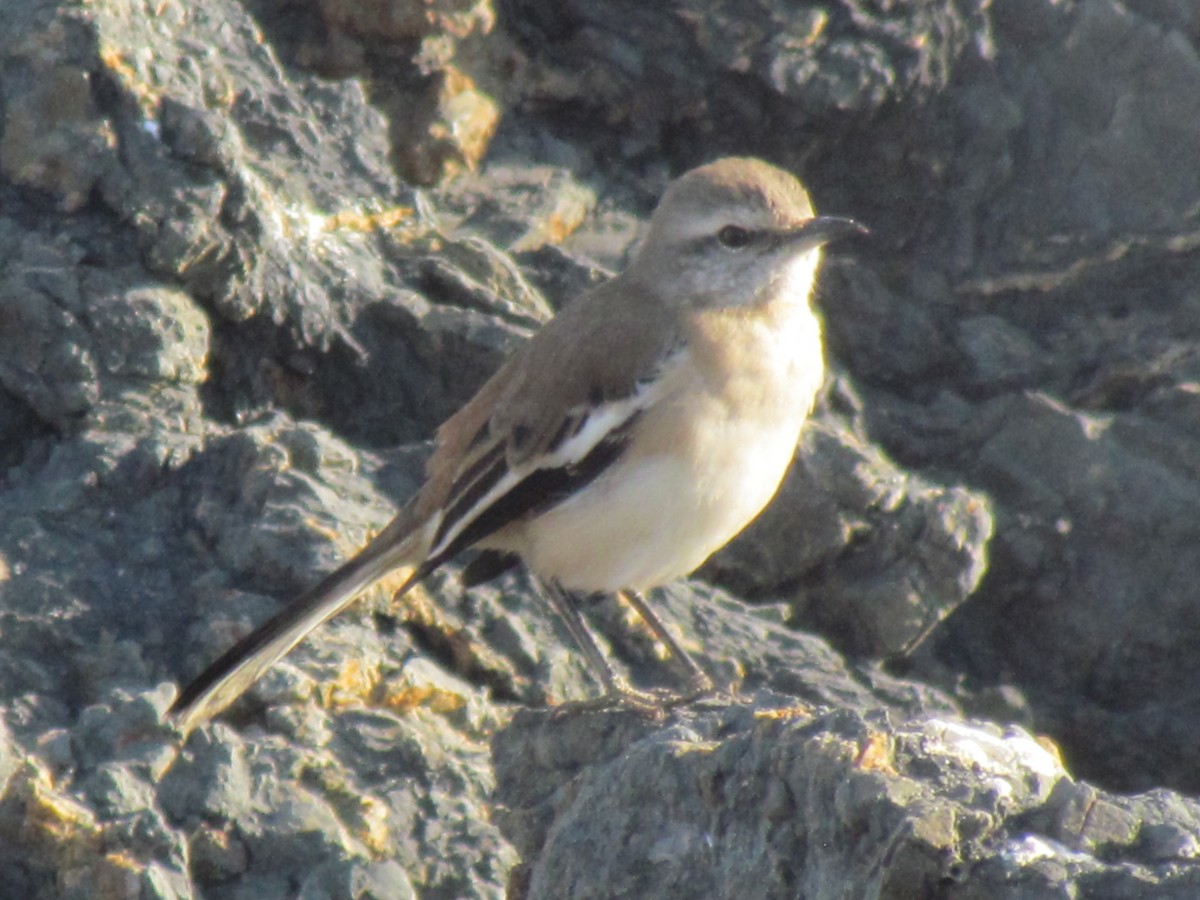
(825, 229)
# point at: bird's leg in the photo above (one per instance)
(617, 691)
(699, 684)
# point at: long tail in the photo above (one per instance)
(246, 661)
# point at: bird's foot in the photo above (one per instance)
(652, 704)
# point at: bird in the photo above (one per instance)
(634, 435)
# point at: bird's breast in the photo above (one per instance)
(703, 462)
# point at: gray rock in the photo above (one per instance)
(227, 324)
(749, 803)
(212, 780)
(368, 881)
(868, 555)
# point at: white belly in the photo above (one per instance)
(655, 518)
(702, 465)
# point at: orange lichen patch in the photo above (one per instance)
(558, 227)
(122, 861)
(146, 94)
(391, 583)
(460, 20)
(562, 223)
(784, 713)
(323, 529)
(355, 685)
(467, 119)
(418, 607)
(368, 822)
(55, 818)
(57, 836)
(876, 754)
(114, 60)
(408, 696)
(357, 220)
(568, 210)
(53, 831)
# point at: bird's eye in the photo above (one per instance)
(735, 237)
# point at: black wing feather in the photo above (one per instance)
(538, 491)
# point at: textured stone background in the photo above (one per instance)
(251, 253)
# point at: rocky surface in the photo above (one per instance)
(252, 253)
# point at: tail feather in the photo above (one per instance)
(247, 660)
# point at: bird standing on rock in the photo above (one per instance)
(632, 437)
